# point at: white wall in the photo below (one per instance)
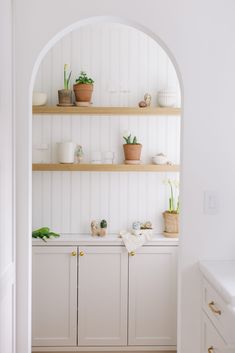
(125, 64)
(7, 242)
(200, 35)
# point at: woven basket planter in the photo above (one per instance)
(65, 97)
(171, 221)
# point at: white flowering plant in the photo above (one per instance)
(174, 195)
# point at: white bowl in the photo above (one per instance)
(159, 160)
(39, 98)
(167, 98)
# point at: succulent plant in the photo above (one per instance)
(84, 79)
(103, 223)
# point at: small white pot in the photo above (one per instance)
(39, 98)
(66, 152)
(160, 159)
(167, 98)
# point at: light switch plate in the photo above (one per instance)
(211, 202)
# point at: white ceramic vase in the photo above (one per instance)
(66, 152)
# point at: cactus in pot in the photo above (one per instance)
(132, 149)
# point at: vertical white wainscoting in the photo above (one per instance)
(125, 64)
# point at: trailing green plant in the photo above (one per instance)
(84, 79)
(129, 140)
(44, 233)
(173, 199)
(66, 77)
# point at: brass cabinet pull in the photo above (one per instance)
(210, 349)
(213, 308)
(81, 253)
(132, 253)
(74, 253)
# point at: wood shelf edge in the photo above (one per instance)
(105, 110)
(105, 167)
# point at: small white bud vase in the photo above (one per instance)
(167, 98)
(66, 152)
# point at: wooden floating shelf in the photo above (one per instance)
(105, 167)
(105, 110)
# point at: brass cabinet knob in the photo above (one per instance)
(81, 253)
(213, 308)
(132, 253)
(74, 253)
(211, 349)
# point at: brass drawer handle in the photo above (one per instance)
(74, 253)
(210, 349)
(81, 253)
(213, 308)
(132, 253)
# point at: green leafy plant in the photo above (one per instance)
(84, 79)
(129, 140)
(44, 233)
(173, 199)
(67, 77)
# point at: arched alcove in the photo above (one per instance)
(118, 92)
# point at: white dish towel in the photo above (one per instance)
(133, 242)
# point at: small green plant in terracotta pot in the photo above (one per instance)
(132, 149)
(171, 216)
(83, 88)
(65, 95)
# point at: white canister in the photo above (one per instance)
(66, 152)
(167, 98)
(108, 157)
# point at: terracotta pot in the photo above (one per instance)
(83, 92)
(171, 221)
(65, 97)
(132, 151)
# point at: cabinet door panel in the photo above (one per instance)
(102, 296)
(152, 296)
(54, 296)
(212, 341)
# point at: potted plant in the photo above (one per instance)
(65, 95)
(83, 88)
(171, 216)
(132, 149)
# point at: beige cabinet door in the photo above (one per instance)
(54, 296)
(102, 296)
(152, 296)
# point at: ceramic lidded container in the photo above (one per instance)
(167, 98)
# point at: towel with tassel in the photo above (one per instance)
(133, 242)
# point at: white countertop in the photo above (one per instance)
(110, 239)
(221, 274)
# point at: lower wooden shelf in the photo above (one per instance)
(105, 167)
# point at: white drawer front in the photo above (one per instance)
(222, 316)
(212, 342)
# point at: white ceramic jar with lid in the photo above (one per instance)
(167, 97)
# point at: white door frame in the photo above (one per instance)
(24, 185)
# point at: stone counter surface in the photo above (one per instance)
(110, 239)
(221, 274)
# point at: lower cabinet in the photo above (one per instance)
(212, 341)
(104, 297)
(54, 296)
(152, 296)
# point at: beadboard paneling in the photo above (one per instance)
(125, 64)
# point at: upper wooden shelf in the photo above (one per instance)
(105, 110)
(105, 167)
